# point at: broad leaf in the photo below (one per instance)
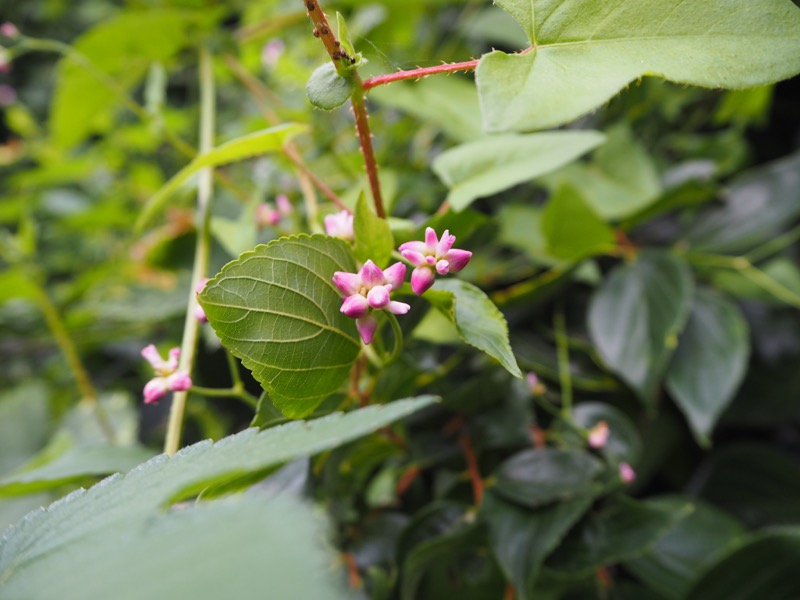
(692, 546)
(521, 538)
(326, 89)
(635, 318)
(766, 567)
(584, 52)
(112, 58)
(24, 415)
(572, 229)
(484, 167)
(247, 146)
(623, 529)
(544, 475)
(479, 322)
(373, 236)
(73, 528)
(710, 361)
(277, 309)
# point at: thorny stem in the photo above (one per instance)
(202, 249)
(418, 73)
(67, 346)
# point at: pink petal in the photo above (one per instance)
(395, 275)
(172, 363)
(378, 297)
(445, 243)
(458, 259)
(355, 306)
(284, 206)
(155, 390)
(626, 473)
(201, 285)
(349, 283)
(151, 355)
(200, 314)
(366, 328)
(371, 275)
(421, 279)
(442, 267)
(431, 241)
(179, 381)
(398, 308)
(415, 258)
(415, 246)
(340, 225)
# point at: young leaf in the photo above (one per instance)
(277, 309)
(635, 318)
(326, 89)
(572, 229)
(710, 361)
(479, 322)
(247, 146)
(345, 42)
(373, 235)
(584, 52)
(493, 164)
(69, 532)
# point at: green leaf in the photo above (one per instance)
(484, 167)
(70, 532)
(621, 179)
(326, 89)
(766, 567)
(247, 146)
(624, 443)
(479, 322)
(758, 205)
(710, 361)
(540, 476)
(622, 529)
(115, 54)
(521, 539)
(230, 547)
(447, 102)
(572, 229)
(692, 546)
(374, 240)
(521, 227)
(24, 415)
(635, 318)
(584, 52)
(345, 42)
(277, 309)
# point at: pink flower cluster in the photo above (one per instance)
(370, 289)
(168, 376)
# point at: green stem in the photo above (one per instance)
(202, 249)
(774, 245)
(564, 376)
(236, 391)
(398, 339)
(59, 331)
(236, 378)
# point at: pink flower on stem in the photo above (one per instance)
(199, 313)
(433, 254)
(168, 376)
(369, 290)
(267, 215)
(598, 435)
(340, 225)
(626, 473)
(9, 30)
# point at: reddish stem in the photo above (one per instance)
(323, 31)
(472, 467)
(510, 593)
(537, 436)
(365, 139)
(353, 576)
(406, 479)
(419, 72)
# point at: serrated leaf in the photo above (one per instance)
(277, 309)
(117, 51)
(710, 361)
(484, 167)
(521, 539)
(622, 529)
(571, 228)
(691, 547)
(585, 51)
(635, 318)
(73, 528)
(543, 475)
(478, 321)
(326, 89)
(766, 567)
(373, 236)
(247, 146)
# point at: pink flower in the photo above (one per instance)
(433, 254)
(370, 290)
(598, 435)
(267, 215)
(199, 313)
(9, 30)
(285, 207)
(626, 473)
(340, 225)
(271, 52)
(168, 376)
